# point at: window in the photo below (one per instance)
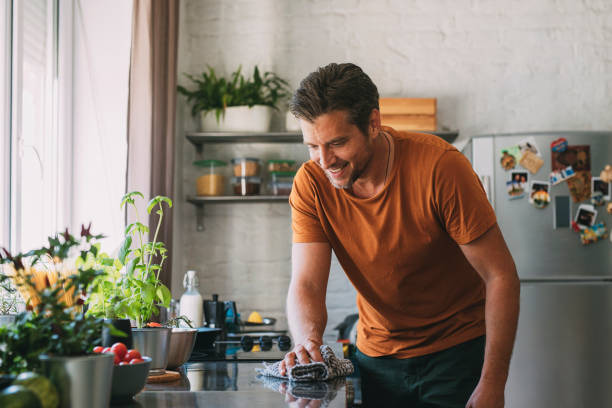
(5, 87)
(63, 101)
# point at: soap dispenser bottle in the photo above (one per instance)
(191, 303)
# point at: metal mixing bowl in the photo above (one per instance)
(181, 345)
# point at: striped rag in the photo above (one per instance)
(331, 367)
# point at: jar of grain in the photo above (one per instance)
(246, 167)
(212, 181)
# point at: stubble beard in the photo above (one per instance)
(346, 186)
(355, 174)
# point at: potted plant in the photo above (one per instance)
(9, 300)
(131, 289)
(54, 336)
(235, 104)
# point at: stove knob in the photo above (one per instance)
(265, 342)
(284, 343)
(247, 343)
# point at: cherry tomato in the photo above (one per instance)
(119, 349)
(107, 350)
(132, 354)
(123, 363)
(136, 361)
(117, 359)
(98, 349)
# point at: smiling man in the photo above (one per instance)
(412, 228)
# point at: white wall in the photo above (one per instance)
(495, 66)
(101, 45)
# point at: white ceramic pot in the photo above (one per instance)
(238, 119)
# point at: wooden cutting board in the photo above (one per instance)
(168, 376)
(408, 113)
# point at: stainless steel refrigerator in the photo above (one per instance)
(563, 351)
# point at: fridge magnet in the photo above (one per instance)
(593, 234)
(599, 185)
(585, 216)
(580, 186)
(510, 157)
(517, 185)
(557, 176)
(529, 144)
(531, 162)
(539, 195)
(559, 145)
(606, 174)
(579, 157)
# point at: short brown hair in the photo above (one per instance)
(336, 87)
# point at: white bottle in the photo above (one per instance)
(191, 304)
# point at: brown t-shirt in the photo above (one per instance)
(416, 292)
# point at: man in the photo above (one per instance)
(411, 226)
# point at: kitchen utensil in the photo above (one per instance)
(129, 379)
(153, 342)
(181, 346)
(214, 312)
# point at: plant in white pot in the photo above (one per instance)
(132, 290)
(54, 337)
(235, 104)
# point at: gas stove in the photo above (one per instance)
(271, 345)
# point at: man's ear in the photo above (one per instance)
(374, 123)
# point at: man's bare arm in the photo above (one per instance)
(306, 311)
(491, 258)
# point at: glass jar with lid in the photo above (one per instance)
(245, 186)
(212, 181)
(246, 166)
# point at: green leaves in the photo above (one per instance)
(125, 249)
(214, 93)
(129, 198)
(132, 289)
(53, 327)
(157, 200)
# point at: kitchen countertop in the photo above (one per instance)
(235, 384)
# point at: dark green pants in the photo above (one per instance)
(442, 379)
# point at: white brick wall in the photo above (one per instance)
(495, 66)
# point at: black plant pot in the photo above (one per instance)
(120, 324)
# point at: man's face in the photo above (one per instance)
(338, 147)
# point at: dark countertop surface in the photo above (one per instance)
(236, 384)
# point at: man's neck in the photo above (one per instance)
(373, 180)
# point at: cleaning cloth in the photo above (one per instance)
(331, 367)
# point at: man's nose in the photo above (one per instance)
(326, 157)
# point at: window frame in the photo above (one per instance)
(5, 128)
(58, 121)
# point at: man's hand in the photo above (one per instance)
(487, 395)
(293, 402)
(304, 353)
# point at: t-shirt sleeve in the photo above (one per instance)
(305, 220)
(460, 199)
